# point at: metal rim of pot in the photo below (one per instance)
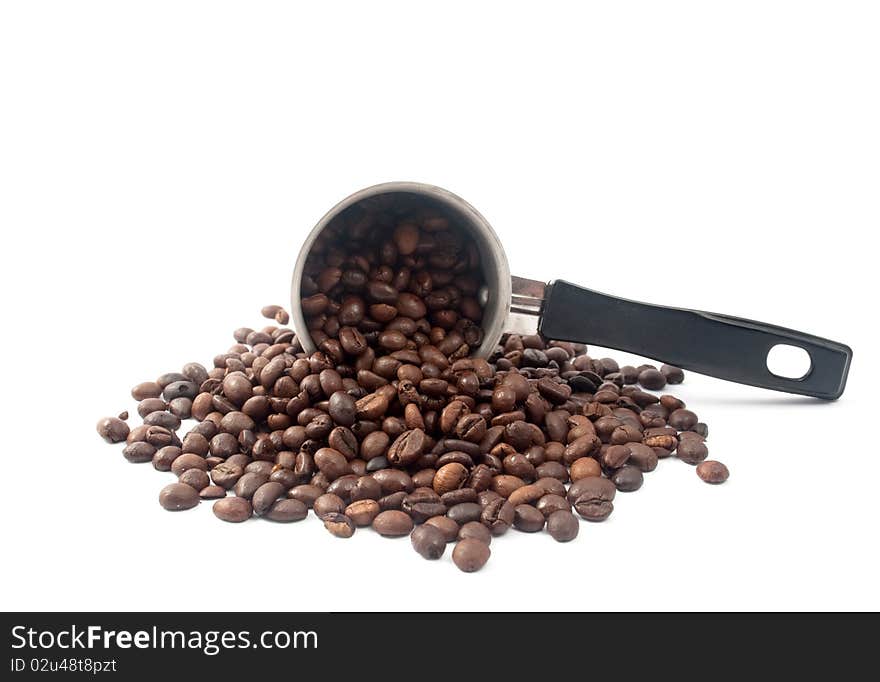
(493, 260)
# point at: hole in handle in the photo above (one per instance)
(789, 362)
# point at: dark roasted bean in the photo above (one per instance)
(339, 525)
(233, 509)
(112, 429)
(178, 496)
(592, 498)
(712, 471)
(527, 519)
(692, 450)
(287, 511)
(139, 452)
(429, 541)
(627, 479)
(562, 526)
(447, 526)
(470, 555)
(392, 523)
(497, 516)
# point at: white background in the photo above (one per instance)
(161, 162)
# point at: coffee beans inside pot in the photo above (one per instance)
(392, 425)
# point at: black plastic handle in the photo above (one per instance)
(726, 347)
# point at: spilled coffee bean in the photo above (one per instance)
(392, 424)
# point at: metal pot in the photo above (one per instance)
(726, 347)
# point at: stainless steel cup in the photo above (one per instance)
(496, 296)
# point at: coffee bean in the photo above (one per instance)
(476, 531)
(248, 484)
(195, 478)
(428, 541)
(139, 452)
(181, 408)
(552, 502)
(517, 465)
(339, 525)
(652, 379)
(363, 512)
(451, 415)
(232, 509)
(393, 480)
(470, 555)
(585, 467)
(307, 494)
(392, 501)
(188, 460)
(683, 420)
(179, 389)
(497, 516)
(342, 408)
(195, 372)
(421, 511)
(112, 429)
(406, 238)
(147, 389)
(527, 519)
(169, 378)
(553, 391)
(505, 484)
(665, 441)
(562, 526)
(527, 494)
(616, 456)
(712, 471)
(270, 311)
(371, 406)
(178, 496)
(165, 419)
(465, 512)
(454, 497)
(471, 427)
(343, 441)
(692, 451)
(264, 496)
(366, 488)
(555, 470)
(451, 476)
(212, 492)
(261, 467)
(643, 457)
(226, 475)
(236, 387)
(235, 422)
(447, 526)
(328, 503)
(627, 479)
(149, 405)
(673, 374)
(503, 399)
(550, 486)
(164, 457)
(331, 463)
(406, 448)
(592, 498)
(392, 523)
(286, 511)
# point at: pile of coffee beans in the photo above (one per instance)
(392, 424)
